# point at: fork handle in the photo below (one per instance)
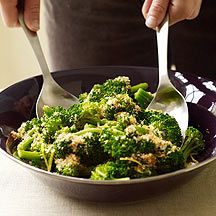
(34, 41)
(162, 42)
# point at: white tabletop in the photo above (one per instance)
(21, 193)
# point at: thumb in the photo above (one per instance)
(155, 12)
(32, 14)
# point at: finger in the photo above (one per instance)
(31, 14)
(156, 13)
(145, 7)
(9, 12)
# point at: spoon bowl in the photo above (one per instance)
(167, 98)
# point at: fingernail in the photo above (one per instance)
(151, 22)
(35, 25)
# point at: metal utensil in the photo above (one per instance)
(51, 93)
(167, 98)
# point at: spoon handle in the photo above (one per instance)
(162, 42)
(34, 41)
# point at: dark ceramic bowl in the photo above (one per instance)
(17, 104)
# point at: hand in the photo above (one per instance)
(8, 9)
(154, 11)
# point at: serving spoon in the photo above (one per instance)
(167, 98)
(52, 94)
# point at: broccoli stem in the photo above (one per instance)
(143, 97)
(50, 161)
(44, 155)
(193, 144)
(93, 130)
(188, 148)
(27, 155)
(25, 144)
(135, 88)
(15, 154)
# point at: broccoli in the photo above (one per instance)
(163, 125)
(193, 144)
(71, 166)
(119, 103)
(84, 143)
(110, 88)
(146, 146)
(143, 97)
(141, 165)
(116, 143)
(179, 157)
(136, 87)
(109, 135)
(124, 119)
(111, 170)
(169, 162)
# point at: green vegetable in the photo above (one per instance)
(163, 125)
(193, 143)
(109, 135)
(143, 97)
(112, 170)
(143, 86)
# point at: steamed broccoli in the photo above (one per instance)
(143, 97)
(84, 143)
(169, 162)
(110, 88)
(116, 143)
(163, 125)
(141, 165)
(71, 166)
(111, 170)
(109, 135)
(119, 103)
(193, 143)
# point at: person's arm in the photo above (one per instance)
(154, 11)
(8, 9)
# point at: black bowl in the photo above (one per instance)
(17, 104)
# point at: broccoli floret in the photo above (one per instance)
(119, 103)
(111, 170)
(163, 125)
(141, 165)
(82, 113)
(193, 144)
(53, 120)
(124, 119)
(84, 143)
(146, 146)
(170, 162)
(62, 148)
(27, 128)
(91, 152)
(71, 166)
(35, 122)
(110, 88)
(116, 143)
(83, 97)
